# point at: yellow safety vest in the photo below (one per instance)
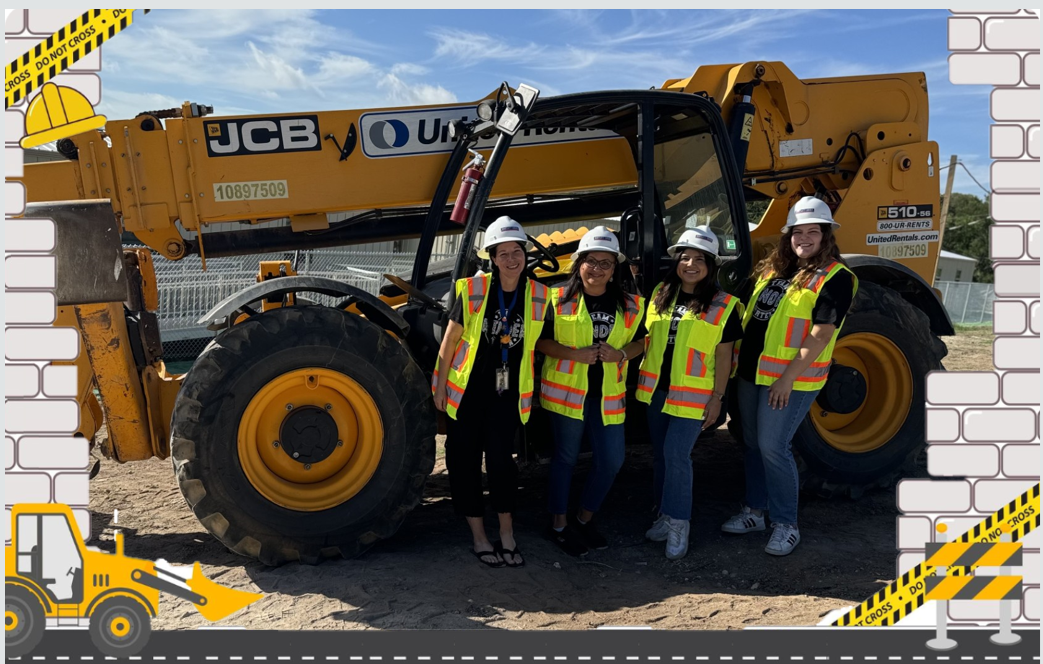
(564, 385)
(474, 292)
(790, 325)
(693, 367)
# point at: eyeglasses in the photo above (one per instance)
(605, 265)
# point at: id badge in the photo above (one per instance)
(502, 379)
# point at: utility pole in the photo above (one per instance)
(946, 199)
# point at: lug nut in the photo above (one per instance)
(340, 443)
(275, 444)
(307, 466)
(329, 406)
(296, 454)
(289, 406)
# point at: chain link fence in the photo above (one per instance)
(968, 303)
(186, 292)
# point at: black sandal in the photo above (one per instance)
(481, 554)
(516, 551)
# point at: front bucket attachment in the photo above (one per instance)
(219, 602)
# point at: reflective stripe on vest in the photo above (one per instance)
(565, 383)
(477, 289)
(692, 371)
(790, 326)
(773, 367)
(690, 397)
(562, 395)
(646, 381)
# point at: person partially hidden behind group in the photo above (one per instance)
(692, 326)
(594, 329)
(484, 381)
(803, 291)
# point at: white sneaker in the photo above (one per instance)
(676, 538)
(659, 530)
(744, 522)
(783, 540)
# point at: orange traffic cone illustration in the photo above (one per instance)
(58, 112)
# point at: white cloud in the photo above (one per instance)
(469, 49)
(261, 61)
(401, 93)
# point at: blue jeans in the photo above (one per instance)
(672, 441)
(607, 445)
(772, 482)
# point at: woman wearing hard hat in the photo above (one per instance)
(802, 294)
(596, 330)
(692, 325)
(484, 382)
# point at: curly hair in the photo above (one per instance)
(705, 290)
(783, 261)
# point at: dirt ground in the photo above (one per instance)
(424, 577)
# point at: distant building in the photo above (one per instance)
(36, 155)
(954, 267)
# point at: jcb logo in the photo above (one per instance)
(227, 138)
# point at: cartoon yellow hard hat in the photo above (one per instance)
(58, 112)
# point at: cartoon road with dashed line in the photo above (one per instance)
(603, 646)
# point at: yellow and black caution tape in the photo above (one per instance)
(61, 50)
(908, 593)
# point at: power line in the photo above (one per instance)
(969, 174)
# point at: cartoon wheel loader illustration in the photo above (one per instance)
(53, 580)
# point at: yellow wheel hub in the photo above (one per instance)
(119, 626)
(310, 439)
(889, 394)
(10, 621)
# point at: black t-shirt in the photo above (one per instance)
(831, 307)
(732, 332)
(488, 356)
(602, 309)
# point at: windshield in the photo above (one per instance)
(689, 182)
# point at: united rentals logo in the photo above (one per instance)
(407, 133)
(269, 135)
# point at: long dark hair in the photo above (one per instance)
(574, 285)
(704, 293)
(782, 261)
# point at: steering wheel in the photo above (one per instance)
(414, 293)
(544, 261)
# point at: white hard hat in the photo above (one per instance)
(809, 210)
(503, 230)
(600, 238)
(701, 238)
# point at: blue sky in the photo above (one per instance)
(273, 61)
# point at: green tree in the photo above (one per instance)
(967, 232)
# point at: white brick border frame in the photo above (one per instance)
(40, 416)
(983, 428)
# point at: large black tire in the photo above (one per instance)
(24, 620)
(827, 471)
(229, 373)
(120, 627)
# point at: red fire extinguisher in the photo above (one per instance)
(473, 174)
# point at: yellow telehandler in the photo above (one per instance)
(53, 581)
(304, 432)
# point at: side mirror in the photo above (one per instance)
(519, 105)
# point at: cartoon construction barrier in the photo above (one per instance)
(909, 592)
(942, 588)
(54, 580)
